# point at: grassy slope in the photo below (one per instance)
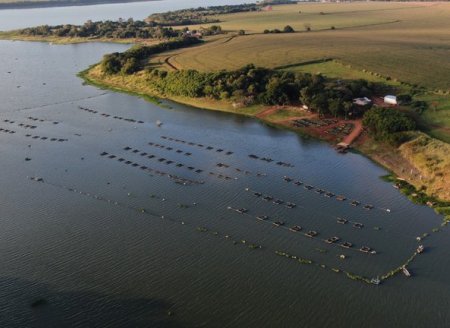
(430, 157)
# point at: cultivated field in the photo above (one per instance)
(403, 42)
(406, 41)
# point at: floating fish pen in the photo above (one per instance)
(420, 249)
(37, 179)
(177, 179)
(290, 205)
(45, 138)
(106, 115)
(346, 244)
(311, 233)
(332, 240)
(406, 271)
(238, 210)
(199, 145)
(367, 249)
(7, 131)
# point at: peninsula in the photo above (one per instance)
(312, 68)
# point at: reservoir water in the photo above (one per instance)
(13, 19)
(143, 236)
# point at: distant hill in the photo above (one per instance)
(20, 4)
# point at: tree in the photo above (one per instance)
(288, 29)
(384, 123)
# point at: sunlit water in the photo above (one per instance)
(107, 243)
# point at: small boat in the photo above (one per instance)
(278, 223)
(342, 221)
(358, 225)
(278, 202)
(355, 203)
(295, 228)
(262, 217)
(405, 271)
(420, 249)
(158, 123)
(368, 207)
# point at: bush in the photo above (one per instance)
(383, 123)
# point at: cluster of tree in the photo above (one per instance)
(388, 124)
(130, 61)
(202, 15)
(116, 30)
(197, 15)
(105, 29)
(286, 29)
(252, 85)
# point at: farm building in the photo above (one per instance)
(362, 101)
(391, 100)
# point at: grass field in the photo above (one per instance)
(406, 41)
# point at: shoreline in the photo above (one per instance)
(389, 157)
(15, 36)
(67, 3)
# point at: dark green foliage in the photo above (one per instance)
(288, 29)
(106, 29)
(419, 106)
(128, 62)
(197, 15)
(387, 123)
(251, 84)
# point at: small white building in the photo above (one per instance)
(391, 100)
(362, 101)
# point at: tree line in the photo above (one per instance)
(115, 30)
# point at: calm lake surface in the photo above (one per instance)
(110, 244)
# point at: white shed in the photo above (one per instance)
(391, 100)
